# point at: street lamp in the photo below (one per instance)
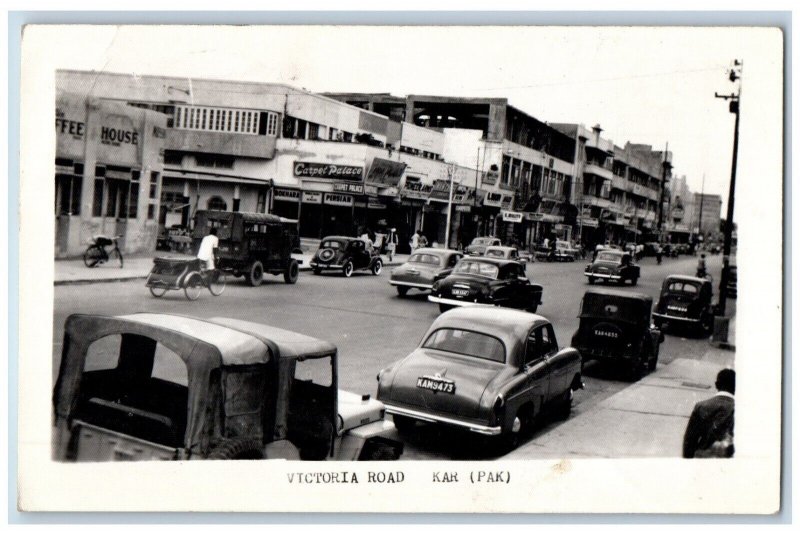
(450, 171)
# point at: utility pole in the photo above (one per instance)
(702, 198)
(451, 172)
(735, 99)
(665, 165)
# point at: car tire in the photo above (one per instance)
(706, 324)
(444, 308)
(591, 280)
(634, 281)
(255, 274)
(317, 271)
(510, 439)
(237, 449)
(347, 270)
(377, 266)
(564, 408)
(404, 424)
(291, 273)
(401, 290)
(652, 364)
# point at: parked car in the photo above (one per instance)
(565, 252)
(686, 301)
(479, 245)
(422, 268)
(732, 282)
(613, 265)
(485, 370)
(347, 255)
(486, 281)
(501, 251)
(164, 387)
(615, 326)
(251, 244)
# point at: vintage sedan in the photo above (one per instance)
(423, 268)
(345, 254)
(612, 265)
(487, 281)
(565, 252)
(147, 386)
(479, 245)
(615, 326)
(502, 251)
(489, 371)
(685, 301)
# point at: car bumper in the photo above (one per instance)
(420, 285)
(325, 266)
(437, 419)
(606, 276)
(454, 302)
(668, 317)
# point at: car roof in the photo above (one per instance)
(501, 248)
(618, 293)
(435, 251)
(288, 343)
(489, 260)
(251, 217)
(340, 238)
(509, 325)
(687, 278)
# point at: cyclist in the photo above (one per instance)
(206, 251)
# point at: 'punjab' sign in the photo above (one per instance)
(326, 170)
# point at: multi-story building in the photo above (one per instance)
(263, 147)
(525, 166)
(681, 211)
(706, 220)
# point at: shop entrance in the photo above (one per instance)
(311, 220)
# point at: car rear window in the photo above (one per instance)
(330, 244)
(420, 258)
(469, 343)
(495, 253)
(477, 268)
(609, 257)
(683, 287)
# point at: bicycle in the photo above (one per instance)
(187, 274)
(213, 279)
(96, 253)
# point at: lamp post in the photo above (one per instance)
(450, 172)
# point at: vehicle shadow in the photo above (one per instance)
(606, 370)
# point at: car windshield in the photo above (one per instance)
(481, 241)
(424, 258)
(683, 287)
(609, 257)
(330, 244)
(497, 253)
(483, 269)
(468, 343)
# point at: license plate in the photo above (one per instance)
(460, 292)
(437, 385)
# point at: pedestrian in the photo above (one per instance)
(391, 243)
(205, 252)
(659, 253)
(414, 243)
(701, 266)
(709, 432)
(422, 241)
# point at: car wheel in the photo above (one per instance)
(317, 271)
(565, 406)
(510, 439)
(652, 364)
(634, 281)
(591, 280)
(256, 274)
(444, 308)
(237, 449)
(401, 291)
(404, 424)
(377, 266)
(291, 273)
(707, 324)
(347, 270)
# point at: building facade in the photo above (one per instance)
(707, 216)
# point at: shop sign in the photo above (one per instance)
(415, 189)
(463, 208)
(590, 222)
(490, 177)
(371, 190)
(280, 194)
(338, 199)
(512, 217)
(326, 170)
(499, 200)
(561, 226)
(346, 187)
(312, 197)
(376, 205)
(385, 172)
(536, 217)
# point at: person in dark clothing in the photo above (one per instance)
(710, 429)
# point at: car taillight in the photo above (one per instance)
(499, 409)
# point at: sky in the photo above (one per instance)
(644, 85)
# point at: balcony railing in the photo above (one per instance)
(597, 170)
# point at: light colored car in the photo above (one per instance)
(504, 252)
(565, 252)
(423, 268)
(479, 245)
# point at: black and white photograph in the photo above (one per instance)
(429, 268)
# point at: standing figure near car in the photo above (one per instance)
(710, 429)
(207, 247)
(701, 266)
(391, 243)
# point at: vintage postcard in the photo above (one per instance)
(401, 269)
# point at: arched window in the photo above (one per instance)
(217, 203)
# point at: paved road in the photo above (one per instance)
(373, 327)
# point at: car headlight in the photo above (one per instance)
(435, 286)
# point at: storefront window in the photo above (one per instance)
(68, 194)
(133, 200)
(97, 204)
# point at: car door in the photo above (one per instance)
(536, 369)
(504, 289)
(560, 365)
(357, 254)
(519, 287)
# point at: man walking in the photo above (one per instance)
(710, 429)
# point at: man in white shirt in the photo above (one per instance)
(207, 246)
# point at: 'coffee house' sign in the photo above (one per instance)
(325, 170)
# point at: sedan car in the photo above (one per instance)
(501, 251)
(612, 265)
(479, 245)
(685, 301)
(485, 370)
(423, 268)
(487, 281)
(565, 252)
(345, 254)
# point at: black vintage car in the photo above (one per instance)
(685, 301)
(612, 265)
(345, 254)
(251, 244)
(487, 281)
(615, 326)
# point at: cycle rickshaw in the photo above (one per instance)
(184, 273)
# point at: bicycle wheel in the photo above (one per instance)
(193, 285)
(118, 253)
(216, 282)
(92, 256)
(157, 292)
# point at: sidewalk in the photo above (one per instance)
(138, 267)
(647, 419)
